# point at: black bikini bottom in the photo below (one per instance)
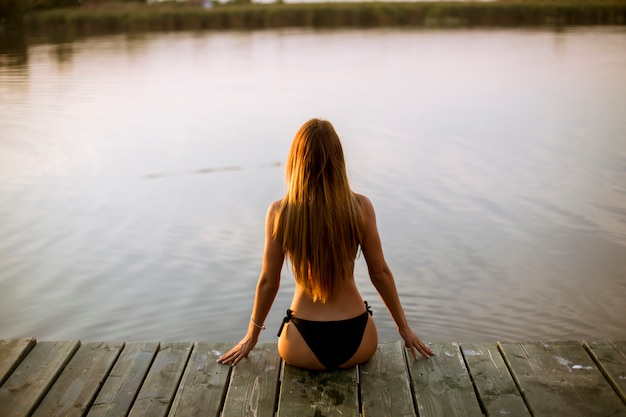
(332, 342)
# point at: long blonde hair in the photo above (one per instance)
(320, 221)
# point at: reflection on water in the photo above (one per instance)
(135, 172)
(13, 49)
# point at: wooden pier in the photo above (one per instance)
(151, 379)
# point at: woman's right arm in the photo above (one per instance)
(266, 290)
(383, 281)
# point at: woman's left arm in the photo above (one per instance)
(266, 290)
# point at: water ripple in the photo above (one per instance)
(500, 199)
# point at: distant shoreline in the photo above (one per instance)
(116, 18)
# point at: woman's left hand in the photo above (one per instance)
(238, 352)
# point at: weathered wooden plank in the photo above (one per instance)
(203, 385)
(385, 383)
(314, 394)
(442, 385)
(157, 392)
(610, 357)
(11, 354)
(30, 381)
(77, 386)
(253, 387)
(559, 378)
(122, 385)
(497, 391)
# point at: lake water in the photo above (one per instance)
(135, 172)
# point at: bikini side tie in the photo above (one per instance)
(286, 320)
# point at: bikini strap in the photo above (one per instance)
(369, 309)
(286, 320)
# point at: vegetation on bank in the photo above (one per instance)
(133, 16)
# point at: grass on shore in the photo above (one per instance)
(502, 13)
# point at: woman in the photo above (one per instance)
(320, 225)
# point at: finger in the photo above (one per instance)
(422, 351)
(237, 360)
(240, 357)
(223, 359)
(228, 356)
(426, 351)
(232, 360)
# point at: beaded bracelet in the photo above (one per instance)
(259, 326)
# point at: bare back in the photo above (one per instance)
(345, 303)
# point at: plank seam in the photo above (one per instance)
(103, 380)
(516, 380)
(411, 384)
(359, 393)
(220, 407)
(20, 358)
(279, 382)
(281, 377)
(481, 403)
(180, 378)
(607, 375)
(143, 379)
(47, 389)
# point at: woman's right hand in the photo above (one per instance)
(414, 344)
(238, 352)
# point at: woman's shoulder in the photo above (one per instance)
(366, 203)
(274, 208)
(276, 204)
